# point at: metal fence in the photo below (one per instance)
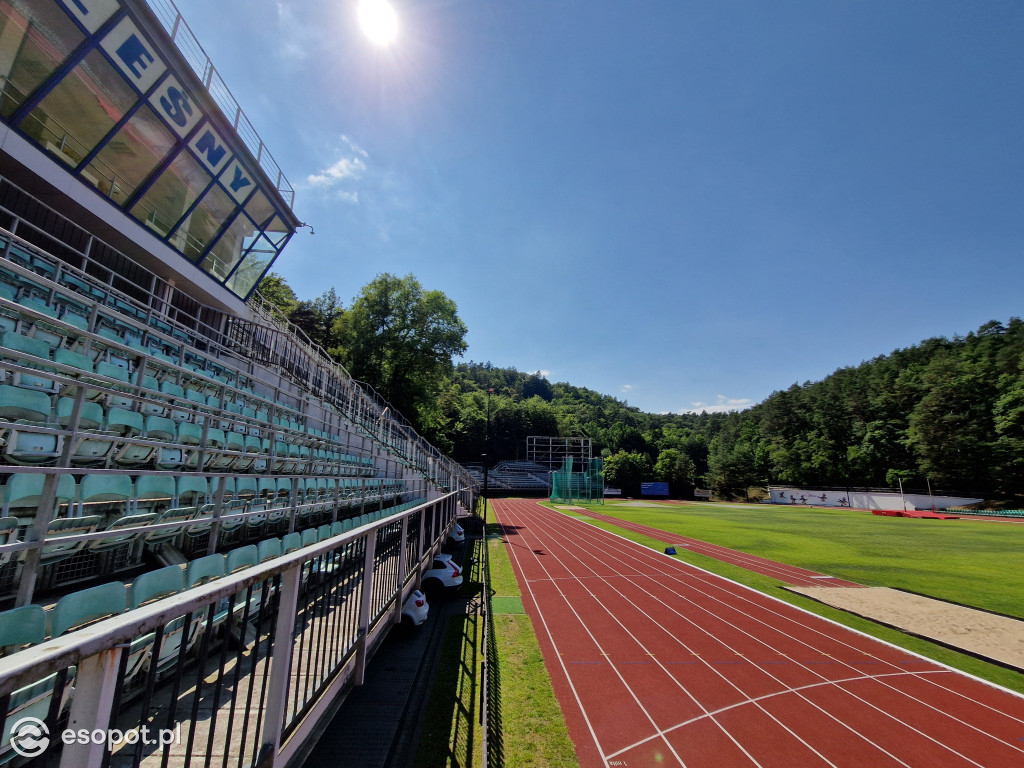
(235, 671)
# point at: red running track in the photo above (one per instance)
(658, 663)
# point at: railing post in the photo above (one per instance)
(364, 608)
(218, 510)
(281, 661)
(95, 690)
(403, 569)
(419, 549)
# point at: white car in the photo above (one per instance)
(415, 609)
(456, 535)
(444, 575)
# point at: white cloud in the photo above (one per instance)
(295, 40)
(626, 389)
(355, 147)
(722, 404)
(339, 177)
(345, 168)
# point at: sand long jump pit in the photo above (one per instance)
(991, 636)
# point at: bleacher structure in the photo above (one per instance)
(519, 477)
(205, 524)
(550, 451)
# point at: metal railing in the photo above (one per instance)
(191, 50)
(238, 671)
(492, 748)
(274, 344)
(270, 341)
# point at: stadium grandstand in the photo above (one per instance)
(206, 526)
(520, 477)
(513, 478)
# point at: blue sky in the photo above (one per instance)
(683, 204)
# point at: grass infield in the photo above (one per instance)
(971, 563)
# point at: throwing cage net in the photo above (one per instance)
(586, 485)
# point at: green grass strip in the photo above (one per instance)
(532, 731)
(507, 605)
(534, 734)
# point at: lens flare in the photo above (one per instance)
(378, 20)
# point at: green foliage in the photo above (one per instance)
(626, 471)
(677, 469)
(400, 339)
(317, 318)
(276, 290)
(947, 411)
(950, 412)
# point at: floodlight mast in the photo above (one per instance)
(487, 447)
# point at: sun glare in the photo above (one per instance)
(378, 21)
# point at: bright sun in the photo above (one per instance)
(379, 21)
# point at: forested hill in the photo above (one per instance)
(948, 411)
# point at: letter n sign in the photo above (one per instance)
(210, 149)
(133, 55)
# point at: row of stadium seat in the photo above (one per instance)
(987, 512)
(37, 395)
(152, 492)
(92, 382)
(147, 521)
(38, 274)
(44, 315)
(55, 370)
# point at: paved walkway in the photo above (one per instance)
(378, 724)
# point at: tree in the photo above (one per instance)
(277, 292)
(675, 468)
(537, 385)
(400, 339)
(318, 318)
(626, 471)
(951, 428)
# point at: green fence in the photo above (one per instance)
(584, 486)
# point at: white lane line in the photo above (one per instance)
(565, 671)
(597, 539)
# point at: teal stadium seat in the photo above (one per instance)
(154, 492)
(156, 585)
(101, 491)
(55, 550)
(20, 628)
(87, 606)
(23, 492)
